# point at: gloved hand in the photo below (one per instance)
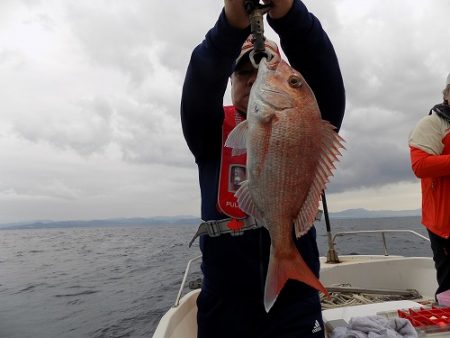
(238, 18)
(235, 13)
(279, 7)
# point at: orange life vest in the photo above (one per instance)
(232, 168)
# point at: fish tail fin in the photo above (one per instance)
(282, 269)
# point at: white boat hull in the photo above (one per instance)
(368, 272)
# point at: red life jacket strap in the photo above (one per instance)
(216, 228)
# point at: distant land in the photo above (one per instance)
(364, 213)
(187, 220)
(117, 222)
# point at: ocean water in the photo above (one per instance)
(118, 282)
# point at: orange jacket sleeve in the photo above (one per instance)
(426, 165)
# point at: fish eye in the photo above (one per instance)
(294, 81)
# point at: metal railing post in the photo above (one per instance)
(177, 301)
(384, 244)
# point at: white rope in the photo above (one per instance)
(341, 299)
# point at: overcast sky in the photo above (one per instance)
(90, 95)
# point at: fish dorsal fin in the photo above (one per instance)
(237, 139)
(245, 201)
(331, 142)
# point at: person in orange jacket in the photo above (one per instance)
(429, 144)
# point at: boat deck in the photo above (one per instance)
(393, 282)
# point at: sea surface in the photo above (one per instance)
(119, 281)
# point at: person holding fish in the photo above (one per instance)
(429, 144)
(260, 257)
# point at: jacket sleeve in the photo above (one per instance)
(310, 52)
(204, 86)
(426, 165)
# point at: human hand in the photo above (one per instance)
(236, 14)
(279, 7)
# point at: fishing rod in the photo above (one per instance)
(332, 256)
(255, 12)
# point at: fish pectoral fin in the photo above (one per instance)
(282, 269)
(237, 139)
(245, 201)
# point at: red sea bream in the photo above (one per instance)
(290, 155)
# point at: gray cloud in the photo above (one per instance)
(394, 72)
(85, 127)
(89, 115)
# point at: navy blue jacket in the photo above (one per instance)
(238, 264)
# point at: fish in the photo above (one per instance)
(291, 153)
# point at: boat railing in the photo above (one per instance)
(381, 232)
(334, 259)
(186, 273)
